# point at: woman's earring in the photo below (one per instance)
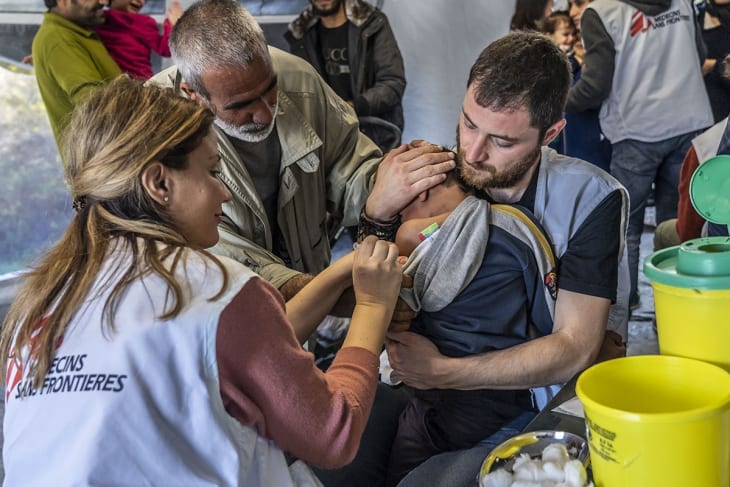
(166, 198)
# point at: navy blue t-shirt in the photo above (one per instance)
(502, 306)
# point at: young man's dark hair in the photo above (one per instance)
(531, 71)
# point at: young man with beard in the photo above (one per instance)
(291, 151)
(69, 58)
(350, 43)
(512, 109)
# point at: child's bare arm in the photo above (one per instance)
(174, 12)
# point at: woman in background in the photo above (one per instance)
(529, 13)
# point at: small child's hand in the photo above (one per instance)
(174, 12)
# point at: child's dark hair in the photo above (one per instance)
(50, 4)
(552, 22)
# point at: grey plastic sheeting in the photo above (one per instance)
(440, 40)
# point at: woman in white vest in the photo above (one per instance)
(136, 357)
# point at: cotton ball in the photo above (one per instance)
(529, 483)
(575, 473)
(521, 459)
(498, 478)
(553, 471)
(531, 470)
(555, 452)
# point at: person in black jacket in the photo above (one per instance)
(352, 46)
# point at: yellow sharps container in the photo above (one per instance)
(691, 281)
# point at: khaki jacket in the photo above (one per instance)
(326, 165)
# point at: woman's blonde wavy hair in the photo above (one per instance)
(112, 137)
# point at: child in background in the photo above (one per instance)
(561, 29)
(582, 137)
(130, 36)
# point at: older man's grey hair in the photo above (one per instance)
(212, 34)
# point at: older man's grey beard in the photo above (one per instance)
(249, 132)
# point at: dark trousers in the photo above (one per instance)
(437, 421)
(368, 469)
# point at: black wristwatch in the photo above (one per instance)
(384, 231)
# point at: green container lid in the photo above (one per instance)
(702, 263)
(709, 189)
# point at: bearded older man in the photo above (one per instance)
(291, 151)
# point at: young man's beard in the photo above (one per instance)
(488, 177)
(326, 12)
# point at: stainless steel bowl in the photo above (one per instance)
(533, 443)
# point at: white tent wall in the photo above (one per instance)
(440, 40)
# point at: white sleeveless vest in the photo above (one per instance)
(140, 405)
(657, 91)
(568, 190)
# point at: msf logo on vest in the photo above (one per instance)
(14, 370)
(640, 23)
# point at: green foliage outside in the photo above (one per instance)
(35, 205)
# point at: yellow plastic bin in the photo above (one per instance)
(657, 420)
(691, 285)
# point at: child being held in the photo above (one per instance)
(129, 36)
(483, 280)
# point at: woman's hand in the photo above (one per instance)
(376, 279)
(376, 273)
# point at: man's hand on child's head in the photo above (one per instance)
(402, 175)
